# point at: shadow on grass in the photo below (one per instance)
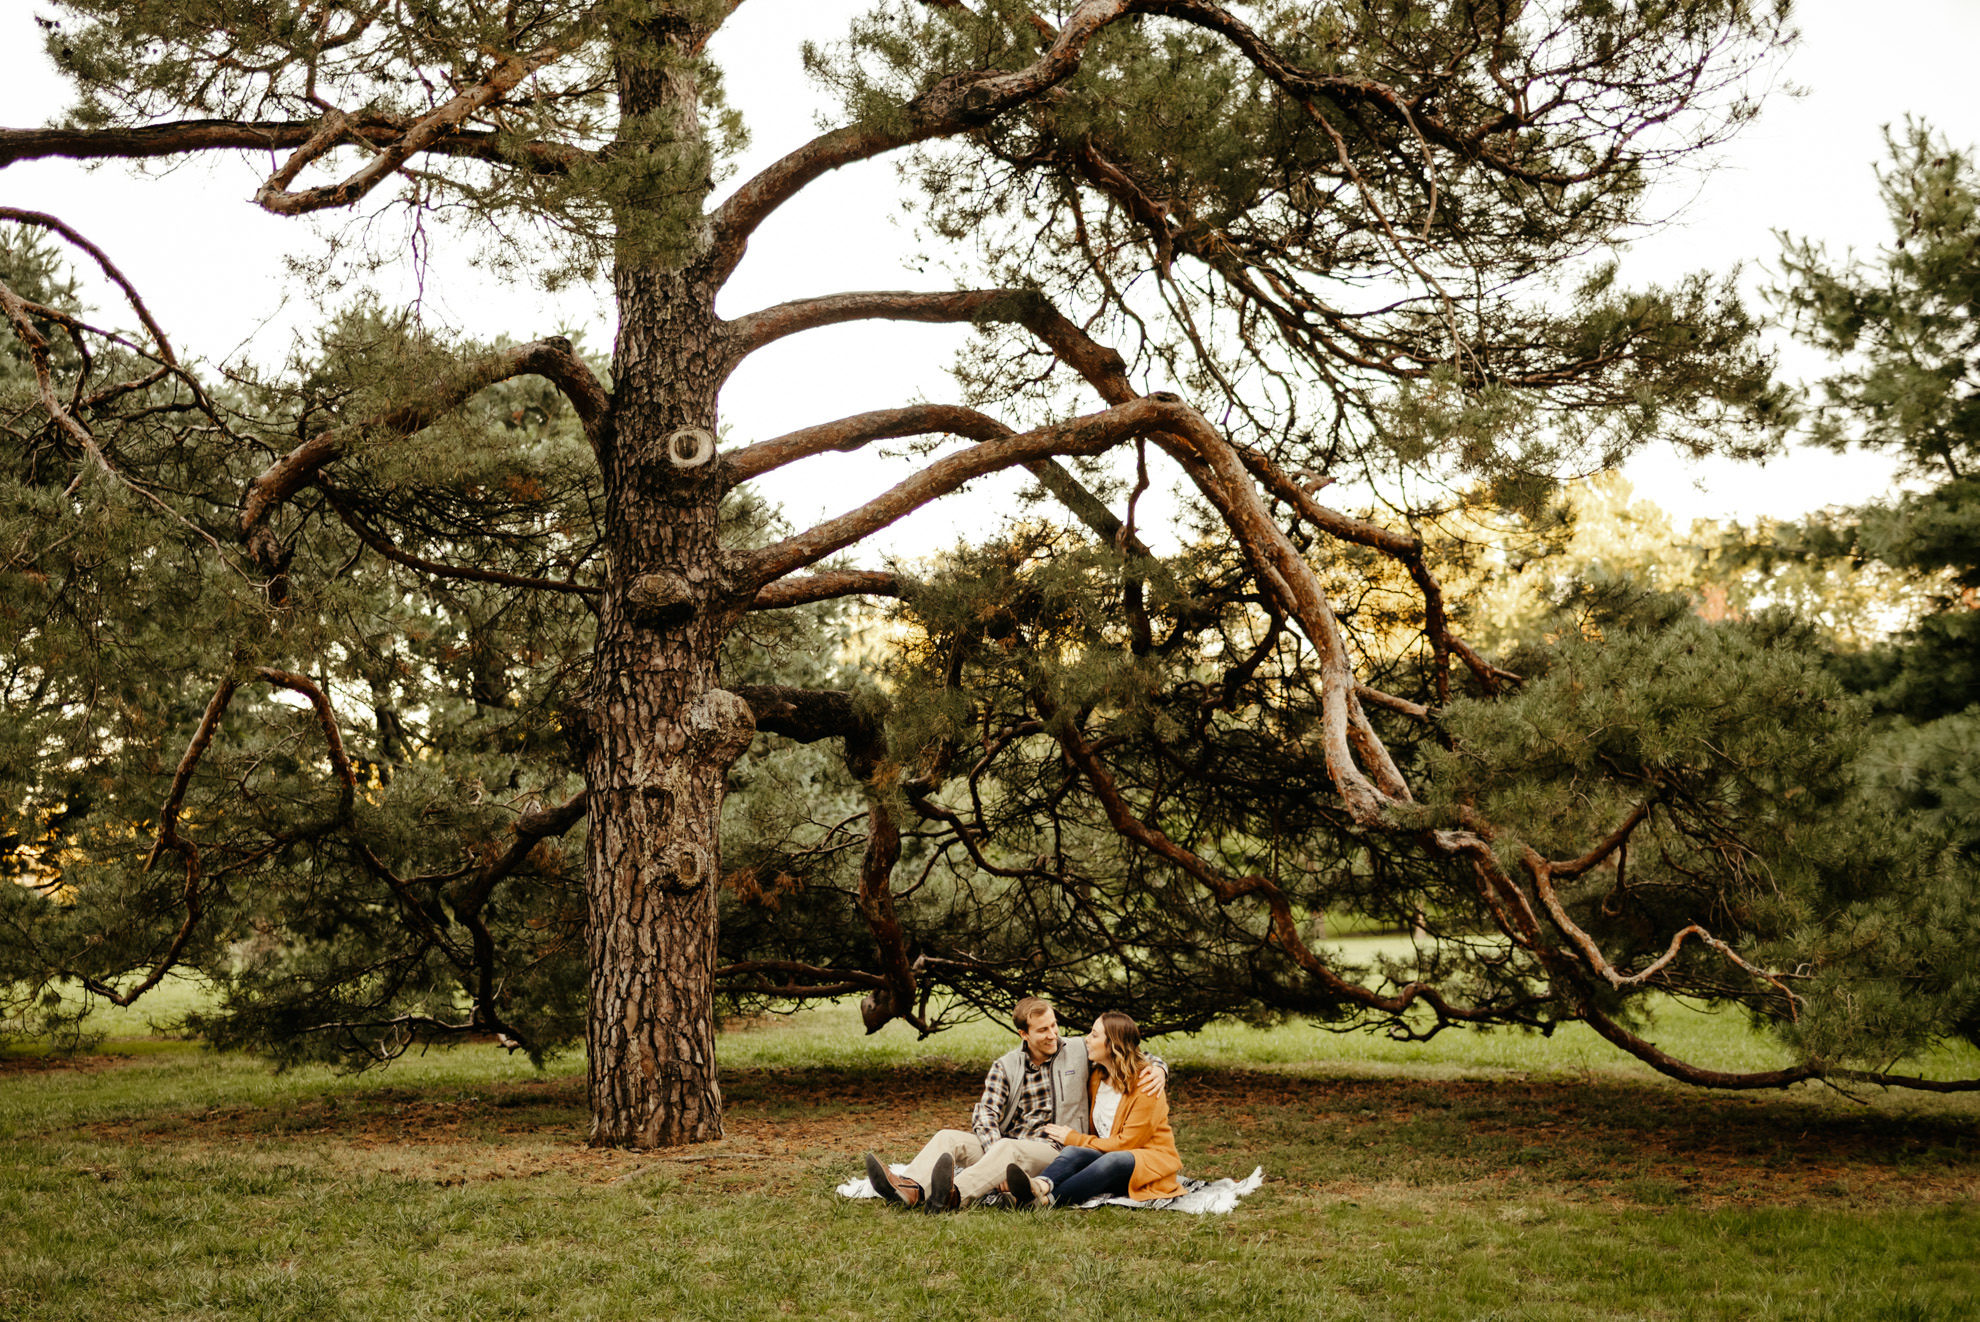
(182, 1184)
(1637, 1143)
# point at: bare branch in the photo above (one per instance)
(849, 434)
(185, 137)
(1092, 434)
(1668, 1064)
(333, 736)
(1402, 706)
(825, 585)
(43, 220)
(746, 334)
(1102, 367)
(1595, 857)
(168, 816)
(1540, 870)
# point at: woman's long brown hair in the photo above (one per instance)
(1125, 1061)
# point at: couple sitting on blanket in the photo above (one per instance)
(1061, 1121)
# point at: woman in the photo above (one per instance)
(1132, 1151)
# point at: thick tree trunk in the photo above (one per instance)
(663, 735)
(661, 732)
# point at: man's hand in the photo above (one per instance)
(1058, 1133)
(1155, 1080)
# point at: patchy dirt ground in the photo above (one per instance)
(1341, 1137)
(36, 1062)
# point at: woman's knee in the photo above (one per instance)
(1111, 1174)
(1070, 1161)
(1114, 1163)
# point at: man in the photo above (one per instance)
(1040, 1082)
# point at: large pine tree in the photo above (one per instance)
(1340, 228)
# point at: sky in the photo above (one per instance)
(212, 266)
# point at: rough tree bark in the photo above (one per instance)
(662, 733)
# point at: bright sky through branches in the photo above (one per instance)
(212, 265)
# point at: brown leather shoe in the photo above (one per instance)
(891, 1187)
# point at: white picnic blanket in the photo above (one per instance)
(1198, 1196)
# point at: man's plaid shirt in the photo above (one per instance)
(1034, 1103)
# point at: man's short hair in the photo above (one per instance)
(1027, 1010)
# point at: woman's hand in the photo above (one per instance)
(1058, 1133)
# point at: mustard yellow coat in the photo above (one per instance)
(1141, 1126)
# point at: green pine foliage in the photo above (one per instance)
(1291, 273)
(1764, 824)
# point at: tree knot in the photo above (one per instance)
(660, 599)
(721, 724)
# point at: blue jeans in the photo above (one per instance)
(1078, 1174)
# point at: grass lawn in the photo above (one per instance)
(1472, 1177)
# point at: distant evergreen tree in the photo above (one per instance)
(1908, 324)
(1905, 325)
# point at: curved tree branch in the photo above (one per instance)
(849, 434)
(175, 797)
(554, 359)
(43, 220)
(335, 126)
(1186, 436)
(1092, 434)
(746, 334)
(333, 736)
(958, 102)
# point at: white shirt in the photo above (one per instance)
(1106, 1104)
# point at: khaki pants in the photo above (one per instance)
(979, 1169)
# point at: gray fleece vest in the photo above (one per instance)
(1068, 1069)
